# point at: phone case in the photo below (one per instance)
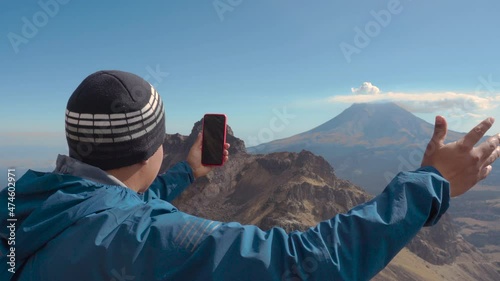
(225, 131)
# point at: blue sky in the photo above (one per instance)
(256, 61)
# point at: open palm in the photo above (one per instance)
(462, 164)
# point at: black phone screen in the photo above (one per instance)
(214, 129)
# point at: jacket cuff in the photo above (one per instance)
(440, 191)
(189, 171)
(430, 169)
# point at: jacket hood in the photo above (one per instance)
(48, 203)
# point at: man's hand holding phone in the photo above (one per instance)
(210, 148)
(213, 139)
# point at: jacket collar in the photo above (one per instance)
(71, 166)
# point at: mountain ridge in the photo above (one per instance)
(363, 121)
(297, 190)
(368, 143)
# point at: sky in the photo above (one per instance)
(275, 68)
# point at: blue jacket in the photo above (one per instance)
(70, 228)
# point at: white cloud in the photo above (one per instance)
(463, 109)
(470, 104)
(367, 88)
(427, 102)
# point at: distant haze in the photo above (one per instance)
(368, 143)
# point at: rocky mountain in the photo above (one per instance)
(297, 190)
(477, 216)
(368, 143)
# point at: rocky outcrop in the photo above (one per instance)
(296, 191)
(439, 244)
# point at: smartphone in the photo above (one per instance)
(213, 139)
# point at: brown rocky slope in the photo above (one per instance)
(297, 190)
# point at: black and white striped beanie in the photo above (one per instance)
(114, 119)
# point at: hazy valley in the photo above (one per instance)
(297, 190)
(370, 143)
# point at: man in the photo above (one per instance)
(103, 214)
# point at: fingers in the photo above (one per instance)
(197, 142)
(485, 172)
(440, 130)
(437, 140)
(493, 156)
(198, 138)
(489, 146)
(472, 137)
(226, 152)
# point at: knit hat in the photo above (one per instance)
(114, 119)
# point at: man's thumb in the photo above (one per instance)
(198, 140)
(440, 130)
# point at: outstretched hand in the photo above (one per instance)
(194, 158)
(462, 164)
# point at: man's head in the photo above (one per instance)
(114, 119)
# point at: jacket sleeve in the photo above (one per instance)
(351, 246)
(172, 183)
